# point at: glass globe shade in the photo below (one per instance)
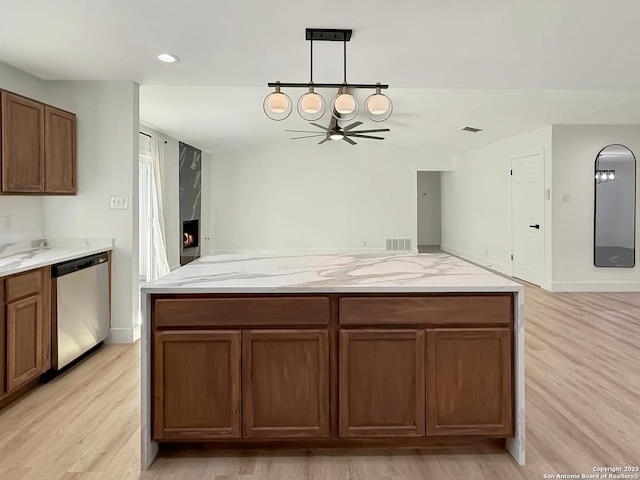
(378, 104)
(345, 103)
(311, 102)
(278, 102)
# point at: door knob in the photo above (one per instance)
(536, 226)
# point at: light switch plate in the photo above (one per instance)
(6, 222)
(118, 202)
(565, 198)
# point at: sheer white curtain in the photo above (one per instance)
(159, 263)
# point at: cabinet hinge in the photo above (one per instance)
(511, 172)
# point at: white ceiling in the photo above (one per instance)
(507, 66)
(222, 118)
(407, 43)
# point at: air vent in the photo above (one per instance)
(398, 244)
(470, 129)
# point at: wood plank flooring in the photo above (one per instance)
(583, 410)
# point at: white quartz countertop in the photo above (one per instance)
(56, 251)
(325, 273)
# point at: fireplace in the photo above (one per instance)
(190, 234)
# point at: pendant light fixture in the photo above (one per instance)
(344, 106)
(277, 105)
(378, 107)
(311, 106)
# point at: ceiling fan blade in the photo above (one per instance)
(348, 140)
(373, 131)
(353, 125)
(320, 126)
(308, 136)
(322, 141)
(366, 136)
(303, 131)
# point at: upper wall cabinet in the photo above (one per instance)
(38, 148)
(59, 151)
(22, 145)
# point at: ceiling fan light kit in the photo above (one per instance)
(312, 106)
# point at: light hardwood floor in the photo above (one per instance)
(583, 410)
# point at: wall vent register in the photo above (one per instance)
(398, 244)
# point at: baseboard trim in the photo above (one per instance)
(595, 286)
(316, 251)
(482, 262)
(123, 335)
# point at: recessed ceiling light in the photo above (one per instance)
(168, 58)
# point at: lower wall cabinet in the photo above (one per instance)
(382, 386)
(25, 330)
(197, 385)
(285, 383)
(24, 341)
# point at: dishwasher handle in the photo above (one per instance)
(78, 264)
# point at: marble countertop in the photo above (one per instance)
(324, 273)
(55, 251)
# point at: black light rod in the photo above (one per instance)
(147, 135)
(328, 85)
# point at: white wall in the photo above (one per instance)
(107, 153)
(302, 196)
(575, 148)
(429, 208)
(476, 201)
(107, 135)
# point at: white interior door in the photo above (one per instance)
(527, 218)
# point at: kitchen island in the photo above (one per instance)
(332, 351)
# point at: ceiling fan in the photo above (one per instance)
(335, 132)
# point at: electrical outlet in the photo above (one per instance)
(364, 244)
(6, 222)
(239, 243)
(119, 203)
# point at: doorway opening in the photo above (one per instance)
(429, 212)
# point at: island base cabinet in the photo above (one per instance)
(469, 381)
(196, 385)
(382, 383)
(285, 378)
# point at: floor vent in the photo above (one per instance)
(399, 244)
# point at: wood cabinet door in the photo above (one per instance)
(24, 341)
(60, 151)
(469, 381)
(382, 383)
(196, 385)
(22, 145)
(285, 383)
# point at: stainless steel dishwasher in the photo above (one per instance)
(81, 307)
